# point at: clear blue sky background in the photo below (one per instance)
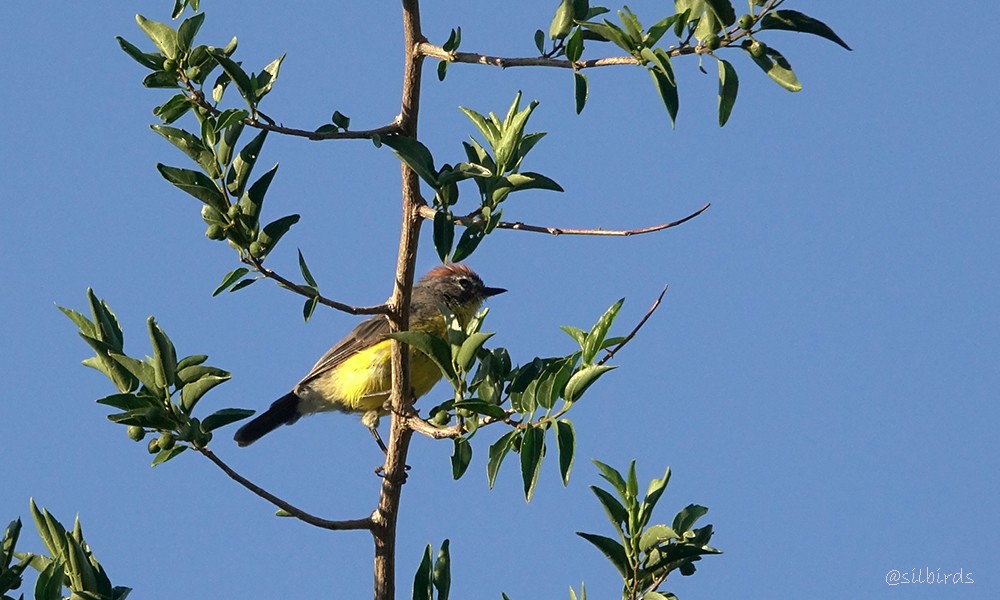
(823, 374)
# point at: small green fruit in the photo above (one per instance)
(215, 232)
(256, 249)
(167, 440)
(440, 418)
(153, 446)
(746, 22)
(136, 433)
(170, 65)
(758, 49)
(712, 42)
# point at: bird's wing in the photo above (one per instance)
(366, 334)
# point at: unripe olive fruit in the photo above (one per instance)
(215, 232)
(757, 49)
(153, 446)
(712, 42)
(136, 433)
(440, 418)
(166, 440)
(234, 210)
(746, 22)
(256, 249)
(169, 65)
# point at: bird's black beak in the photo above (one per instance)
(487, 292)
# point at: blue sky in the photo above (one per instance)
(822, 375)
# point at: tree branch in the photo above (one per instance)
(428, 212)
(635, 330)
(285, 506)
(378, 309)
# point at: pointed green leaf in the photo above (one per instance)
(221, 418)
(793, 20)
(231, 278)
(612, 476)
(611, 549)
(162, 35)
(422, 581)
(566, 441)
(777, 68)
(237, 75)
(532, 450)
(150, 61)
(468, 243)
(193, 391)
(164, 355)
(444, 234)
(562, 22)
(309, 307)
(729, 85)
(274, 231)
(415, 155)
(264, 80)
(164, 455)
(470, 348)
(529, 181)
(580, 90)
(126, 402)
(305, 271)
(442, 572)
(614, 509)
(498, 451)
(597, 334)
(197, 184)
(187, 31)
(687, 517)
(432, 346)
(239, 172)
(461, 457)
(668, 93)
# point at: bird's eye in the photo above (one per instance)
(465, 282)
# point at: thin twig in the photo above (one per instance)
(635, 330)
(428, 213)
(308, 292)
(298, 513)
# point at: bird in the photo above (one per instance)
(354, 376)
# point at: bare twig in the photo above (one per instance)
(428, 213)
(378, 309)
(635, 330)
(293, 511)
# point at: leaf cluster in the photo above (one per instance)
(531, 399)
(700, 27)
(69, 564)
(433, 576)
(643, 554)
(156, 394)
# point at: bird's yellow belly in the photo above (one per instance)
(362, 383)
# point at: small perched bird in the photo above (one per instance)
(354, 376)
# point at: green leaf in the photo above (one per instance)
(143, 372)
(239, 172)
(611, 549)
(309, 307)
(656, 535)
(192, 146)
(163, 36)
(612, 33)
(187, 31)
(150, 61)
(793, 20)
(668, 93)
(305, 271)
(444, 234)
(253, 201)
(245, 283)
(482, 407)
(498, 451)
(432, 346)
(723, 9)
(566, 441)
(164, 455)
(580, 90)
(729, 85)
(442, 69)
(470, 348)
(612, 476)
(264, 80)
(442, 572)
(231, 278)
(192, 392)
(164, 355)
(196, 184)
(275, 230)
(468, 243)
(237, 75)
(415, 155)
(562, 22)
(597, 334)
(529, 180)
(126, 401)
(422, 581)
(687, 517)
(173, 109)
(777, 68)
(532, 450)
(461, 457)
(485, 126)
(612, 507)
(50, 582)
(160, 79)
(221, 418)
(540, 41)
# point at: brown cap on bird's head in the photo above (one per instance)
(455, 285)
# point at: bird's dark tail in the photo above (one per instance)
(283, 411)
